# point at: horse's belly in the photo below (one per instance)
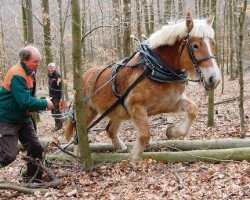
(164, 104)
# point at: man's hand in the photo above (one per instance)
(50, 105)
(58, 81)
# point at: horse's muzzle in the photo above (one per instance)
(211, 83)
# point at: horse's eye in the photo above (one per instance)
(195, 46)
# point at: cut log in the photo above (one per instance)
(215, 155)
(184, 145)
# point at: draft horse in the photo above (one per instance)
(170, 56)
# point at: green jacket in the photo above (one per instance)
(15, 95)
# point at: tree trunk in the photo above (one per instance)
(232, 74)
(127, 28)
(30, 37)
(78, 86)
(46, 32)
(138, 18)
(2, 50)
(146, 19)
(240, 69)
(210, 120)
(158, 12)
(24, 16)
(63, 69)
(117, 21)
(167, 10)
(152, 18)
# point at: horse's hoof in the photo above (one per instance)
(169, 132)
(173, 133)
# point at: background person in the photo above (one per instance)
(55, 91)
(16, 104)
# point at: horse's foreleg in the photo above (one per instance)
(140, 118)
(112, 130)
(181, 129)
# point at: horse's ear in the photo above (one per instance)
(189, 22)
(210, 19)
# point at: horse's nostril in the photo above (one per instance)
(211, 80)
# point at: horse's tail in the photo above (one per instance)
(69, 130)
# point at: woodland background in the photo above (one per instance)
(106, 26)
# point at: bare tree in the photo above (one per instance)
(29, 18)
(78, 85)
(240, 67)
(46, 32)
(127, 28)
(210, 117)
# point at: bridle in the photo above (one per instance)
(196, 62)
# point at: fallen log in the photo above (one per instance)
(184, 145)
(214, 155)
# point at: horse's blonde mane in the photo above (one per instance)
(169, 34)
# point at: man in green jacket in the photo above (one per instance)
(17, 101)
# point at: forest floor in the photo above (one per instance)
(152, 180)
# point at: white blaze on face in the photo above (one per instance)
(212, 71)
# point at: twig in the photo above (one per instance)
(179, 179)
(54, 180)
(19, 188)
(225, 101)
(65, 151)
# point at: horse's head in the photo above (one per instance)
(190, 46)
(197, 51)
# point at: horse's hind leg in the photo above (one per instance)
(181, 129)
(112, 130)
(140, 118)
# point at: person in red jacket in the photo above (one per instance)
(17, 101)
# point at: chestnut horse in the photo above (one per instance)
(185, 47)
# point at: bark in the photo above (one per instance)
(167, 10)
(215, 155)
(210, 120)
(184, 145)
(138, 18)
(63, 70)
(127, 28)
(146, 18)
(28, 10)
(2, 49)
(24, 16)
(152, 18)
(117, 21)
(240, 69)
(232, 74)
(46, 32)
(77, 74)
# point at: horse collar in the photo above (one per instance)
(160, 71)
